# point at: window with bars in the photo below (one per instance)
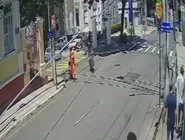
(8, 34)
(85, 17)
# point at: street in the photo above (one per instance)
(118, 98)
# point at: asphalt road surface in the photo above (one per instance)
(116, 99)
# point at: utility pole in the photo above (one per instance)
(160, 63)
(166, 46)
(145, 9)
(109, 29)
(51, 44)
(94, 32)
(159, 16)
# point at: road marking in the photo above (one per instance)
(140, 49)
(154, 49)
(148, 48)
(85, 114)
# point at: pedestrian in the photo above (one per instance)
(91, 59)
(131, 136)
(170, 105)
(90, 53)
(72, 64)
(179, 91)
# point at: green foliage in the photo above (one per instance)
(116, 28)
(29, 9)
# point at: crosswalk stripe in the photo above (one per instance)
(154, 49)
(148, 48)
(140, 49)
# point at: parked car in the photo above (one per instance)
(48, 54)
(61, 42)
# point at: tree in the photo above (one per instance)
(29, 9)
(122, 16)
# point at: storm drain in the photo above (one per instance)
(132, 76)
(129, 78)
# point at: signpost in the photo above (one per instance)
(159, 14)
(165, 27)
(50, 35)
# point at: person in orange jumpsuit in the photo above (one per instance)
(72, 64)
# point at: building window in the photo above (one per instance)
(8, 35)
(77, 17)
(86, 17)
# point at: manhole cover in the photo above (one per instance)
(117, 65)
(132, 77)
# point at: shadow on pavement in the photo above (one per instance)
(116, 47)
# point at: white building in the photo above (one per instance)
(136, 12)
(78, 16)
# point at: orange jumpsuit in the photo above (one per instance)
(72, 65)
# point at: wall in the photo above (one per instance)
(11, 65)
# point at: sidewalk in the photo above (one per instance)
(116, 46)
(138, 30)
(161, 133)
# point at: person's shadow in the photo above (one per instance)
(131, 136)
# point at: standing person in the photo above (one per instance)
(72, 63)
(90, 53)
(170, 105)
(180, 89)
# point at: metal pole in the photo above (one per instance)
(145, 9)
(165, 49)
(94, 32)
(160, 54)
(109, 30)
(51, 44)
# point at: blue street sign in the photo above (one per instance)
(131, 12)
(165, 27)
(50, 34)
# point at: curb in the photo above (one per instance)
(24, 117)
(157, 125)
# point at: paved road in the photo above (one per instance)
(100, 106)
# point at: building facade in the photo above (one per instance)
(136, 12)
(11, 55)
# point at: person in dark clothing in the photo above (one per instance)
(170, 105)
(131, 136)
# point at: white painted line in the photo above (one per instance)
(154, 49)
(140, 49)
(85, 114)
(148, 48)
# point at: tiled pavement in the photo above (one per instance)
(62, 65)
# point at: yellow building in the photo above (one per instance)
(11, 54)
